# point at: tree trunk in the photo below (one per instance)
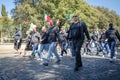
(1, 38)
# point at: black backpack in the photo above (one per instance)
(75, 32)
(111, 34)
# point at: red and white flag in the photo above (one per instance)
(47, 18)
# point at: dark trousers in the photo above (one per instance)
(63, 47)
(17, 44)
(77, 45)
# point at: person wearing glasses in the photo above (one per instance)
(77, 32)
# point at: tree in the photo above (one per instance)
(3, 12)
(5, 23)
(27, 11)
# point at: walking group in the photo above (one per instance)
(76, 38)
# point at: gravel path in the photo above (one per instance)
(16, 67)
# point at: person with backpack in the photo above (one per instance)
(77, 32)
(110, 36)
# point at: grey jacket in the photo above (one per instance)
(35, 37)
(18, 35)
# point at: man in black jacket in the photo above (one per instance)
(44, 45)
(52, 38)
(76, 33)
(111, 35)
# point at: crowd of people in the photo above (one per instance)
(77, 39)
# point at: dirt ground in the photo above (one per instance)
(7, 50)
(14, 67)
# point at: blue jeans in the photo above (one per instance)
(72, 48)
(52, 49)
(106, 46)
(35, 47)
(112, 48)
(43, 47)
(92, 47)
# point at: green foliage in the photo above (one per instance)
(109, 17)
(27, 11)
(3, 12)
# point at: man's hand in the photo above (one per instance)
(18, 41)
(88, 41)
(41, 40)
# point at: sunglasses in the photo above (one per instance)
(75, 16)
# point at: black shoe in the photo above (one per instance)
(111, 61)
(58, 62)
(45, 64)
(80, 65)
(61, 54)
(76, 69)
(65, 52)
(31, 57)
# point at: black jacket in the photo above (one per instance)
(53, 35)
(81, 31)
(44, 38)
(18, 35)
(111, 34)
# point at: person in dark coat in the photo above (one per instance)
(77, 33)
(110, 36)
(17, 40)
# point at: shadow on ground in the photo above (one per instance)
(19, 68)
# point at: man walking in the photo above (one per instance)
(76, 33)
(111, 35)
(44, 45)
(35, 41)
(17, 40)
(52, 38)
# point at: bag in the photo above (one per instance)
(111, 34)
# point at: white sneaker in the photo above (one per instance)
(61, 56)
(114, 57)
(72, 58)
(108, 54)
(41, 59)
(116, 52)
(111, 60)
(38, 59)
(103, 56)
